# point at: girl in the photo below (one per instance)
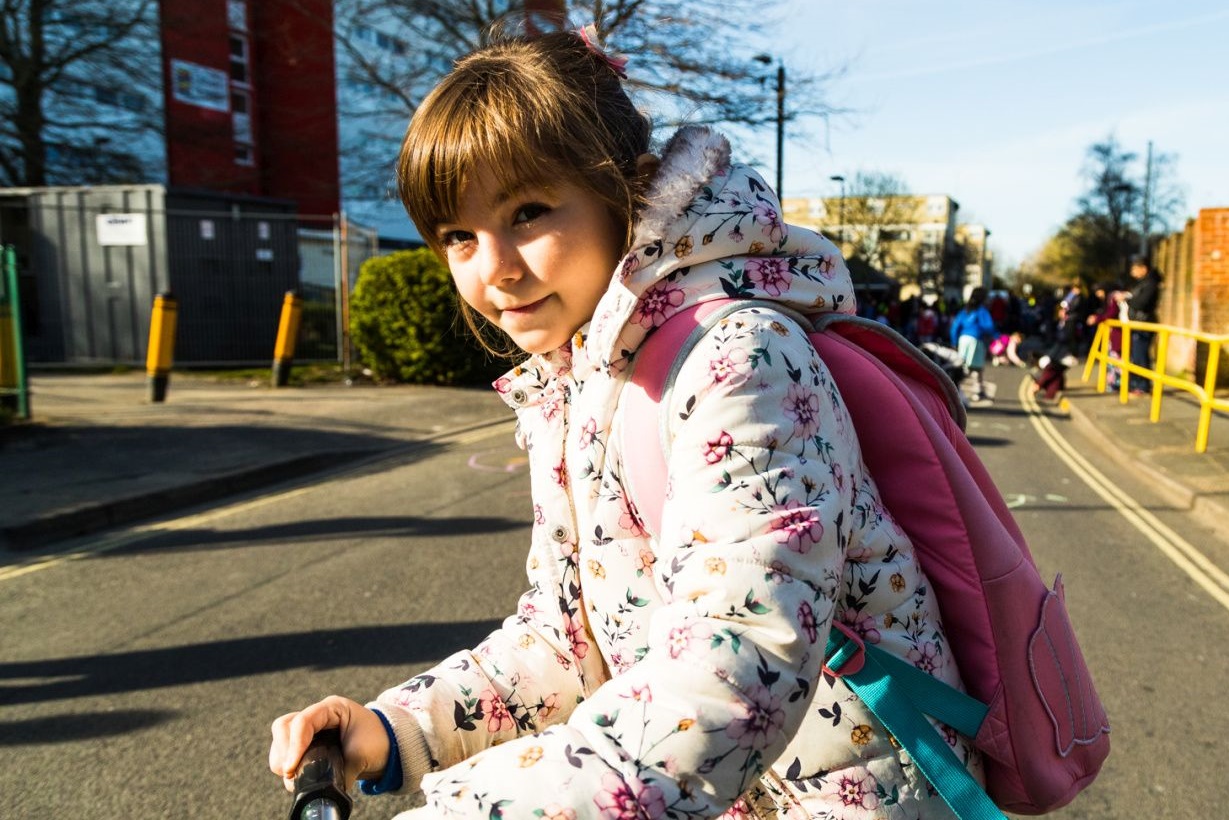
(971, 329)
(645, 675)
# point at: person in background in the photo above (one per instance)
(971, 331)
(927, 326)
(1051, 381)
(1110, 302)
(1142, 300)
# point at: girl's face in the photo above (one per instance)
(533, 259)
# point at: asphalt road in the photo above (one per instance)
(139, 670)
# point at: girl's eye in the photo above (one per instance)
(452, 238)
(529, 212)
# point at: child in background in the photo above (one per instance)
(646, 674)
(998, 349)
(1051, 380)
(1112, 306)
(971, 332)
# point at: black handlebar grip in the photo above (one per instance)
(322, 776)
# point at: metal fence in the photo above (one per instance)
(92, 259)
(1102, 356)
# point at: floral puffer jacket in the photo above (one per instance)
(681, 675)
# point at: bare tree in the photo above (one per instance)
(80, 91)
(1165, 198)
(690, 61)
(876, 209)
(1110, 215)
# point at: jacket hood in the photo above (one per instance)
(711, 230)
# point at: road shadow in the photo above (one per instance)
(62, 481)
(79, 726)
(320, 529)
(93, 675)
(989, 441)
(998, 410)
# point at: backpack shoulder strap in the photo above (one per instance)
(646, 396)
(663, 352)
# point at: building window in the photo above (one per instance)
(239, 59)
(116, 98)
(237, 14)
(241, 118)
(387, 42)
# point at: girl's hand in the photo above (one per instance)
(364, 741)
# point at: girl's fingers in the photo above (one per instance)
(302, 729)
(293, 732)
(277, 749)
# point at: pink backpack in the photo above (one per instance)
(1033, 710)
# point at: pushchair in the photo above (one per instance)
(950, 362)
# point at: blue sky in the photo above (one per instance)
(995, 103)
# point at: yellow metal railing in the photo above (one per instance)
(1101, 357)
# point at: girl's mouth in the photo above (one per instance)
(525, 310)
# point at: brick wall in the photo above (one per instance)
(1195, 264)
(1172, 257)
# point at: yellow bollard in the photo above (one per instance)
(161, 345)
(287, 336)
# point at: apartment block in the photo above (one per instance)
(251, 103)
(914, 239)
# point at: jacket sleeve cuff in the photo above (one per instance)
(393, 777)
(409, 745)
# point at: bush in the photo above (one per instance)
(406, 324)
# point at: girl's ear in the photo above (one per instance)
(646, 168)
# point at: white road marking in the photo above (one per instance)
(1173, 546)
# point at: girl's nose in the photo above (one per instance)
(499, 262)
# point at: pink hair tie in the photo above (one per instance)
(617, 62)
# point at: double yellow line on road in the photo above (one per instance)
(460, 436)
(1173, 546)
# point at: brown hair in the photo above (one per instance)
(534, 110)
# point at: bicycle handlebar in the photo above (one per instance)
(320, 786)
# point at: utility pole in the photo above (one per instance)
(1147, 220)
(766, 59)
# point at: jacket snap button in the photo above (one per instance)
(519, 396)
(559, 534)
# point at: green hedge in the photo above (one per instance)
(406, 325)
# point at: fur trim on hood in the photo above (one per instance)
(692, 157)
(710, 229)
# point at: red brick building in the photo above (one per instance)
(251, 99)
(1195, 264)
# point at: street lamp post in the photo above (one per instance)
(1126, 191)
(985, 270)
(841, 236)
(767, 60)
(1144, 238)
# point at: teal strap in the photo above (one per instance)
(933, 697)
(888, 690)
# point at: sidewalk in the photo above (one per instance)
(1165, 450)
(98, 455)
